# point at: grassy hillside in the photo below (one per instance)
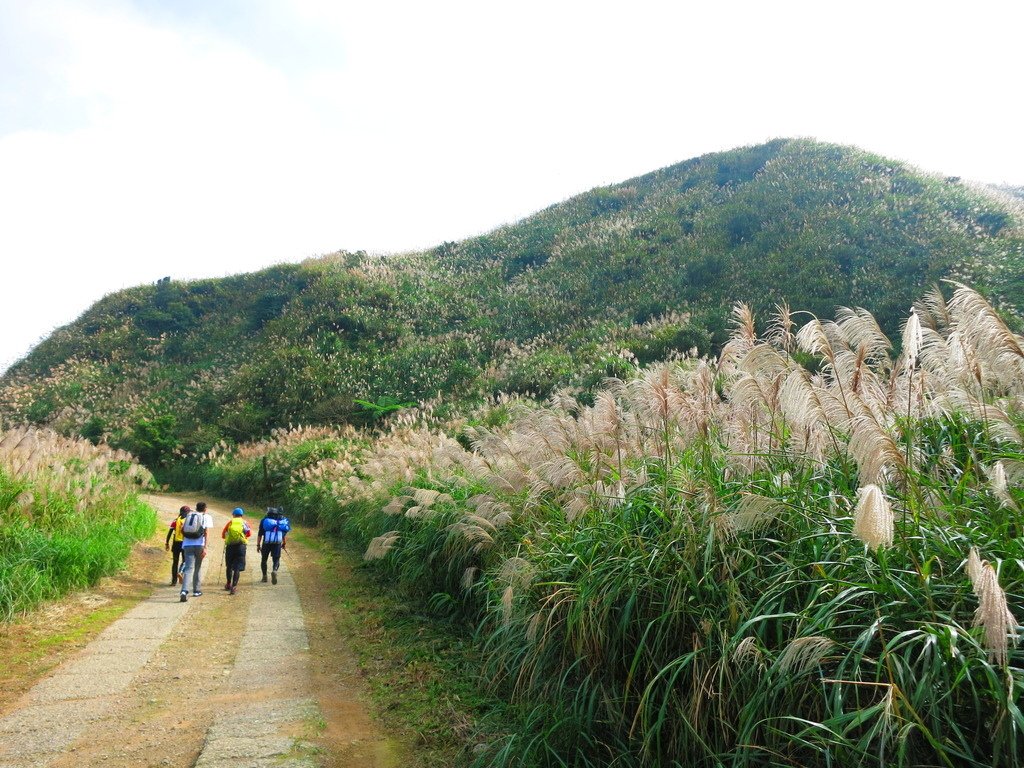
(638, 271)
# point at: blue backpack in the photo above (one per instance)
(275, 529)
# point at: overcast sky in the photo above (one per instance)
(197, 138)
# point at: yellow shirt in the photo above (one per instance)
(176, 525)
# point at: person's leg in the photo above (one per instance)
(276, 553)
(175, 561)
(179, 560)
(197, 574)
(231, 555)
(263, 559)
(190, 564)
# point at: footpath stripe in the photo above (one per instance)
(271, 674)
(49, 717)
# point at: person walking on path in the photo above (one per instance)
(174, 532)
(271, 539)
(195, 530)
(235, 534)
(209, 525)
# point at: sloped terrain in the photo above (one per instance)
(638, 271)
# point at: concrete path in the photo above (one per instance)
(222, 680)
(58, 710)
(271, 674)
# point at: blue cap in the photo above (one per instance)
(238, 512)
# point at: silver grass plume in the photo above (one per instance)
(506, 605)
(933, 310)
(780, 329)
(517, 572)
(754, 511)
(813, 339)
(380, 546)
(873, 448)
(861, 331)
(747, 653)
(974, 568)
(999, 351)
(800, 400)
(913, 340)
(763, 360)
(992, 614)
(742, 338)
(997, 421)
(397, 505)
(999, 485)
(563, 400)
(873, 521)
(804, 654)
(475, 531)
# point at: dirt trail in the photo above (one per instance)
(222, 680)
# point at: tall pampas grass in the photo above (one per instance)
(686, 529)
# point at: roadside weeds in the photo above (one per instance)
(35, 643)
(421, 675)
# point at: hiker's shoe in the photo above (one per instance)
(197, 593)
(227, 586)
(273, 577)
(174, 582)
(184, 597)
(232, 591)
(265, 578)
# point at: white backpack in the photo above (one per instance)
(193, 527)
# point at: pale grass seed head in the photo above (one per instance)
(780, 329)
(506, 605)
(380, 546)
(913, 340)
(873, 521)
(397, 505)
(993, 613)
(861, 331)
(475, 532)
(742, 338)
(933, 311)
(974, 569)
(804, 654)
(754, 511)
(748, 653)
(999, 485)
(469, 577)
(813, 339)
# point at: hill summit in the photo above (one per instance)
(620, 275)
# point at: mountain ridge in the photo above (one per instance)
(622, 274)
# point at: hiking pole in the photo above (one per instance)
(220, 566)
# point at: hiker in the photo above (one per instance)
(174, 531)
(234, 534)
(195, 531)
(270, 540)
(208, 523)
